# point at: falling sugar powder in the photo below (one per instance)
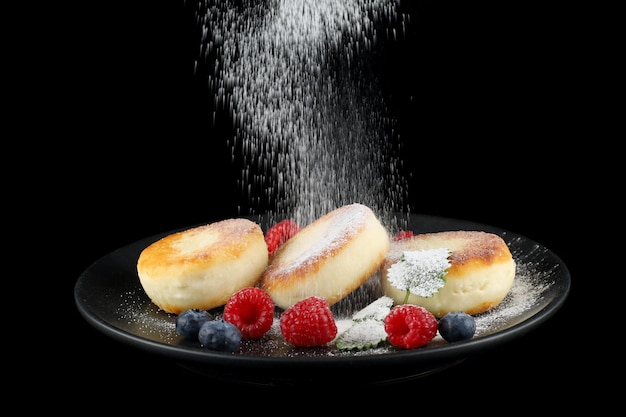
(309, 119)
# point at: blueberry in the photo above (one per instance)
(219, 335)
(189, 321)
(456, 326)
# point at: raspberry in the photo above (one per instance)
(409, 326)
(308, 322)
(251, 310)
(403, 234)
(279, 234)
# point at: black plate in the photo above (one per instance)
(109, 296)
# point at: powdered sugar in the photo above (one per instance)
(526, 291)
(334, 231)
(524, 296)
(311, 128)
(361, 335)
(532, 281)
(366, 329)
(137, 314)
(420, 272)
(341, 227)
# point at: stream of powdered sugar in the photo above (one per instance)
(310, 121)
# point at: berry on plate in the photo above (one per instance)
(403, 234)
(188, 322)
(456, 326)
(409, 326)
(219, 335)
(309, 322)
(252, 310)
(278, 234)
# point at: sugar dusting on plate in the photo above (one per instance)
(141, 317)
(525, 292)
(531, 282)
(145, 318)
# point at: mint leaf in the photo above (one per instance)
(362, 335)
(420, 272)
(368, 328)
(376, 310)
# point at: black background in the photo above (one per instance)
(477, 90)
